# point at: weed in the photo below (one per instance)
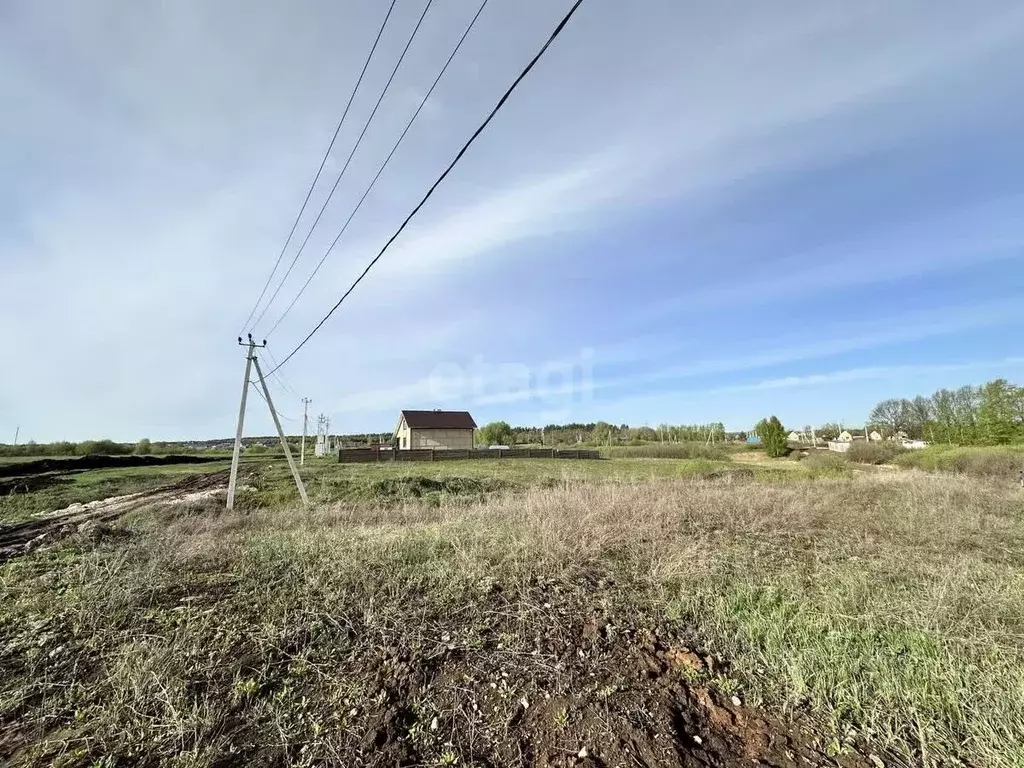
(885, 602)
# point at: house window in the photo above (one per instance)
(405, 441)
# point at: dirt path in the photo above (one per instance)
(23, 537)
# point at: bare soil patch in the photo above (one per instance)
(51, 527)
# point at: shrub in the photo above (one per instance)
(102, 448)
(874, 453)
(978, 462)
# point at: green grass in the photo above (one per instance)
(887, 606)
(666, 451)
(891, 609)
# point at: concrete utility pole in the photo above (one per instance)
(17, 431)
(250, 360)
(305, 425)
(236, 454)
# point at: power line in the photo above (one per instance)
(280, 415)
(501, 102)
(278, 376)
(323, 162)
(382, 167)
(348, 160)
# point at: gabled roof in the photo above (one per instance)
(438, 419)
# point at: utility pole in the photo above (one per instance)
(305, 424)
(250, 360)
(17, 431)
(241, 420)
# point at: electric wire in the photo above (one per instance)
(501, 102)
(281, 380)
(344, 168)
(256, 387)
(384, 165)
(323, 162)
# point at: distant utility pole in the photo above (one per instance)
(17, 431)
(250, 361)
(305, 425)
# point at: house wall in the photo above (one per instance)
(404, 434)
(457, 439)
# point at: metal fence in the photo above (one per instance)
(366, 455)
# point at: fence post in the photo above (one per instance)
(577, 453)
(431, 454)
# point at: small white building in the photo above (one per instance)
(875, 437)
(844, 437)
(795, 437)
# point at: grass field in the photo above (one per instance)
(407, 617)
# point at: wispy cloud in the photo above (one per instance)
(872, 372)
(158, 156)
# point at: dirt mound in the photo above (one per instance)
(31, 483)
(19, 469)
(418, 487)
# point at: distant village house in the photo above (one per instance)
(434, 429)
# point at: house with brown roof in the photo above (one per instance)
(435, 429)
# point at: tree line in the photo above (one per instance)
(601, 433)
(92, 448)
(990, 414)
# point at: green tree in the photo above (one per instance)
(496, 433)
(602, 433)
(999, 413)
(144, 447)
(773, 437)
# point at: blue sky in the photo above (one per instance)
(688, 212)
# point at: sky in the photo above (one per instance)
(687, 212)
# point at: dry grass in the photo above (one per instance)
(864, 452)
(1004, 462)
(888, 606)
